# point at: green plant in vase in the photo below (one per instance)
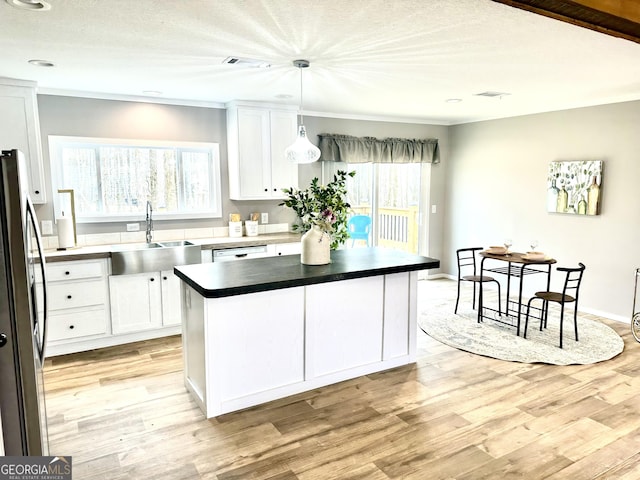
(325, 206)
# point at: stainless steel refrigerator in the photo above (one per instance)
(22, 315)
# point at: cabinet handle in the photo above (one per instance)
(266, 189)
(67, 273)
(69, 297)
(71, 327)
(37, 192)
(164, 278)
(152, 279)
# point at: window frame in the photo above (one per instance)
(56, 142)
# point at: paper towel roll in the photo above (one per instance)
(65, 233)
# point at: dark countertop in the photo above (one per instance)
(104, 251)
(224, 279)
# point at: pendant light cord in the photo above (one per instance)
(301, 107)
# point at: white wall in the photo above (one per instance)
(496, 188)
(76, 116)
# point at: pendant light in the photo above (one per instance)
(302, 150)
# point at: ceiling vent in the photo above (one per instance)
(31, 5)
(246, 62)
(492, 94)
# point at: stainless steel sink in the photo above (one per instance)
(152, 257)
(177, 243)
(134, 246)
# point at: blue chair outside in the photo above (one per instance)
(359, 227)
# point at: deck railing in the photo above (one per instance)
(396, 227)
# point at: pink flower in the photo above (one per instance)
(329, 217)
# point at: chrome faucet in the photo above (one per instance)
(149, 222)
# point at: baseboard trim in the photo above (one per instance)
(591, 311)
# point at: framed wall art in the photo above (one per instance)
(575, 187)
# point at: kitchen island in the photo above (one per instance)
(265, 328)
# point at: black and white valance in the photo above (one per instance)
(348, 149)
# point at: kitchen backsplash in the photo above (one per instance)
(116, 238)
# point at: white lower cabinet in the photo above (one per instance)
(77, 324)
(78, 303)
(144, 301)
(135, 302)
(171, 306)
(88, 308)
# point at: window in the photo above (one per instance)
(391, 194)
(113, 179)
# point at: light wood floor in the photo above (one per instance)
(123, 413)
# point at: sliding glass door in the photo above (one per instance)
(391, 195)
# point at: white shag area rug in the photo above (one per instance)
(597, 341)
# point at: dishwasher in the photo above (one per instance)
(239, 253)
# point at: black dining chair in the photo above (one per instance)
(467, 264)
(569, 294)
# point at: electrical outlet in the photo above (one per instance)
(47, 227)
(133, 227)
(433, 209)
(264, 218)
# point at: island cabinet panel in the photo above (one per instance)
(344, 325)
(262, 337)
(242, 350)
(194, 318)
(397, 309)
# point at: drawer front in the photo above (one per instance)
(73, 270)
(77, 324)
(77, 294)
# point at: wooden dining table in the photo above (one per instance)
(518, 265)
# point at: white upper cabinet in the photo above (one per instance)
(256, 141)
(20, 129)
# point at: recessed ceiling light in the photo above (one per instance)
(492, 94)
(284, 96)
(152, 93)
(453, 100)
(42, 63)
(31, 5)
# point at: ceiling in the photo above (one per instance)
(397, 60)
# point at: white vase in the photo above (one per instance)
(316, 247)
